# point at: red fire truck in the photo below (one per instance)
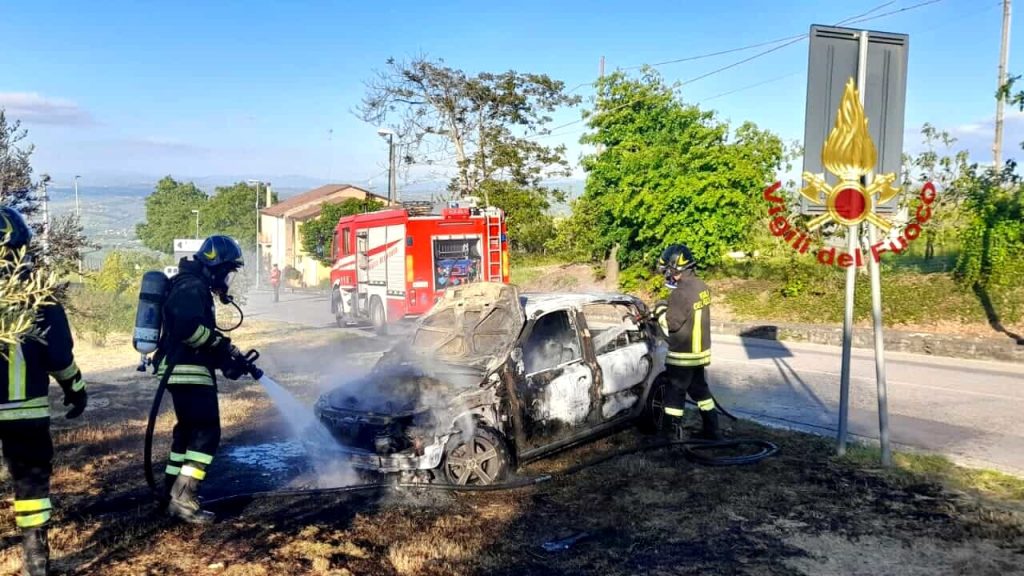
(390, 265)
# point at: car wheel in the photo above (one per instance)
(479, 458)
(377, 317)
(652, 419)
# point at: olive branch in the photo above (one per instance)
(24, 290)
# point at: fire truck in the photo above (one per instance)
(390, 265)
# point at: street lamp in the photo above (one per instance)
(196, 212)
(390, 135)
(259, 257)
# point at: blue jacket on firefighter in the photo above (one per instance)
(192, 348)
(25, 372)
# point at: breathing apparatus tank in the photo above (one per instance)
(149, 315)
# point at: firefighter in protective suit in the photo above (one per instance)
(685, 321)
(26, 370)
(192, 348)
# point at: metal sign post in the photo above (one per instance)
(848, 151)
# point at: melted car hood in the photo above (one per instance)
(472, 325)
(403, 388)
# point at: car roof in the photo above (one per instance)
(536, 303)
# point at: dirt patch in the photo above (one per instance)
(802, 512)
(563, 278)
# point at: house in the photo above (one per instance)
(281, 228)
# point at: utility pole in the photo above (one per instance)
(78, 216)
(1004, 56)
(78, 208)
(45, 181)
(600, 74)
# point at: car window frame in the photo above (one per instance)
(573, 324)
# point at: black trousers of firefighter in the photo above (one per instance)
(28, 455)
(683, 380)
(197, 433)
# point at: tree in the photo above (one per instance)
(488, 124)
(18, 191)
(169, 214)
(951, 174)
(669, 172)
(232, 211)
(318, 233)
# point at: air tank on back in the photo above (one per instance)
(149, 314)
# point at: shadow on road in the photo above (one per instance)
(761, 343)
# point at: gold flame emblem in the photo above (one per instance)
(850, 154)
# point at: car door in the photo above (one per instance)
(623, 356)
(555, 392)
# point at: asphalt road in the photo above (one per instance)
(972, 411)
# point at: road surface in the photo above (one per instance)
(970, 410)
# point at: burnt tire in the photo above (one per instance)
(652, 420)
(377, 317)
(478, 458)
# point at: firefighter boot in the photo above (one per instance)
(165, 496)
(674, 428)
(185, 505)
(709, 426)
(35, 552)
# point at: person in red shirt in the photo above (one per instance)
(275, 281)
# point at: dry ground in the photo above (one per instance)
(802, 512)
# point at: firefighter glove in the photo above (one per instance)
(76, 398)
(221, 348)
(236, 365)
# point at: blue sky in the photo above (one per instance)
(199, 88)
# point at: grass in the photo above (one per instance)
(911, 467)
(908, 299)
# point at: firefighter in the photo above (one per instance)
(686, 322)
(194, 348)
(25, 408)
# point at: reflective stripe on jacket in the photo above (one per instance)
(687, 323)
(25, 369)
(189, 335)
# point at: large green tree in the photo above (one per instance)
(318, 233)
(666, 171)
(232, 211)
(169, 214)
(485, 126)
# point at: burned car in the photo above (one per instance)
(492, 378)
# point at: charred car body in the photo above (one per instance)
(492, 378)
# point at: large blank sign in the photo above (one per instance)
(834, 53)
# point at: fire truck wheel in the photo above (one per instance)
(377, 317)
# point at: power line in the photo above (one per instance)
(792, 40)
(748, 87)
(757, 45)
(719, 53)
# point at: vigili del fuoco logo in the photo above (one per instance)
(849, 154)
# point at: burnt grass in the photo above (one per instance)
(802, 511)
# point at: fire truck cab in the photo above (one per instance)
(390, 265)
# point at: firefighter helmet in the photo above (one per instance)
(676, 258)
(221, 256)
(220, 251)
(14, 233)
